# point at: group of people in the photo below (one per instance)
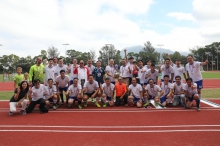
(136, 85)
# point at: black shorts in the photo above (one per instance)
(89, 94)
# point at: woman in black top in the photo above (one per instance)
(19, 98)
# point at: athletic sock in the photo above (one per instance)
(197, 102)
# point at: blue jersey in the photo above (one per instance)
(98, 75)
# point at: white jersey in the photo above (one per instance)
(142, 74)
(190, 90)
(166, 87)
(153, 75)
(59, 68)
(90, 88)
(108, 89)
(147, 67)
(135, 90)
(50, 90)
(63, 82)
(49, 73)
(74, 90)
(153, 91)
(178, 71)
(38, 93)
(131, 68)
(178, 88)
(166, 71)
(72, 68)
(91, 68)
(194, 71)
(111, 70)
(124, 72)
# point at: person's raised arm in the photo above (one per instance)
(204, 63)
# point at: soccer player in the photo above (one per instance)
(72, 71)
(18, 78)
(148, 66)
(55, 61)
(110, 71)
(179, 96)
(74, 93)
(141, 73)
(36, 96)
(91, 89)
(51, 94)
(19, 98)
(62, 84)
(99, 73)
(121, 92)
(107, 90)
(60, 67)
(152, 73)
(90, 66)
(193, 71)
(136, 93)
(49, 71)
(167, 88)
(124, 72)
(167, 69)
(191, 93)
(152, 93)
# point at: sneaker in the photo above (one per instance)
(104, 105)
(79, 106)
(92, 100)
(170, 104)
(160, 105)
(198, 109)
(85, 104)
(54, 107)
(97, 104)
(23, 112)
(69, 105)
(146, 104)
(10, 113)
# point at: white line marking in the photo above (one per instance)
(105, 127)
(116, 131)
(210, 103)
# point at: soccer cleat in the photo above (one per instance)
(92, 99)
(10, 113)
(104, 105)
(79, 106)
(198, 109)
(97, 104)
(85, 104)
(23, 112)
(146, 104)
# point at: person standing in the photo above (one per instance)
(152, 74)
(141, 73)
(49, 72)
(110, 71)
(99, 73)
(60, 67)
(72, 69)
(124, 72)
(55, 61)
(90, 66)
(37, 72)
(167, 69)
(18, 77)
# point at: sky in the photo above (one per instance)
(29, 26)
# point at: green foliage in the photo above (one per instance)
(52, 52)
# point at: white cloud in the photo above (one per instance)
(181, 16)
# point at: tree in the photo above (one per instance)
(43, 54)
(52, 52)
(92, 55)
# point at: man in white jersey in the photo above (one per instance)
(129, 62)
(110, 71)
(193, 71)
(91, 89)
(179, 96)
(141, 73)
(152, 73)
(51, 94)
(72, 71)
(36, 96)
(107, 90)
(167, 69)
(191, 93)
(60, 67)
(49, 71)
(148, 66)
(136, 93)
(55, 61)
(90, 66)
(124, 72)
(62, 84)
(152, 93)
(74, 93)
(167, 88)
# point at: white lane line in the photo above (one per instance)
(106, 127)
(210, 103)
(115, 131)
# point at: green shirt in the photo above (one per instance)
(37, 72)
(18, 78)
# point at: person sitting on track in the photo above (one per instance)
(167, 97)
(152, 92)
(36, 96)
(62, 84)
(74, 93)
(179, 96)
(51, 96)
(107, 90)
(121, 92)
(19, 98)
(91, 89)
(136, 93)
(191, 93)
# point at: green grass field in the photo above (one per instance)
(210, 75)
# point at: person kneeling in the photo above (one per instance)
(136, 93)
(107, 90)
(36, 96)
(74, 94)
(19, 98)
(179, 96)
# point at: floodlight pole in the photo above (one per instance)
(65, 49)
(160, 51)
(207, 59)
(108, 51)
